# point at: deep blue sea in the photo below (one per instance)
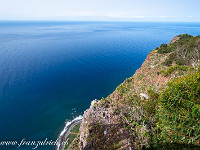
(51, 71)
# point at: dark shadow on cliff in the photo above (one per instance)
(108, 137)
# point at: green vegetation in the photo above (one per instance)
(72, 135)
(117, 145)
(180, 61)
(179, 113)
(170, 59)
(122, 89)
(176, 68)
(168, 119)
(75, 144)
(150, 104)
(105, 101)
(185, 36)
(164, 48)
(185, 51)
(173, 57)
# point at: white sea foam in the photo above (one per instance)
(68, 123)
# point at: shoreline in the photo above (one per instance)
(65, 132)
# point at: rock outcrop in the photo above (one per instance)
(102, 128)
(176, 38)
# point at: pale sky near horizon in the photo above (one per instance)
(106, 10)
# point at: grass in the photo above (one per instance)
(72, 135)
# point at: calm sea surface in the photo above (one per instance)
(51, 71)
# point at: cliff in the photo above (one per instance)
(128, 118)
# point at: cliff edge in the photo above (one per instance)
(129, 117)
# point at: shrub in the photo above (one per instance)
(164, 48)
(185, 36)
(163, 45)
(179, 111)
(150, 104)
(187, 47)
(175, 68)
(121, 89)
(170, 59)
(180, 61)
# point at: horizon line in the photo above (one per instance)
(56, 20)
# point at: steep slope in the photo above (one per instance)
(126, 119)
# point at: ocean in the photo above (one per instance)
(51, 71)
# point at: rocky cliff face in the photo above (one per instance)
(104, 126)
(176, 38)
(125, 119)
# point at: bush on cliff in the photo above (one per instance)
(164, 48)
(179, 112)
(185, 36)
(185, 51)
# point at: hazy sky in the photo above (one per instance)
(127, 10)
